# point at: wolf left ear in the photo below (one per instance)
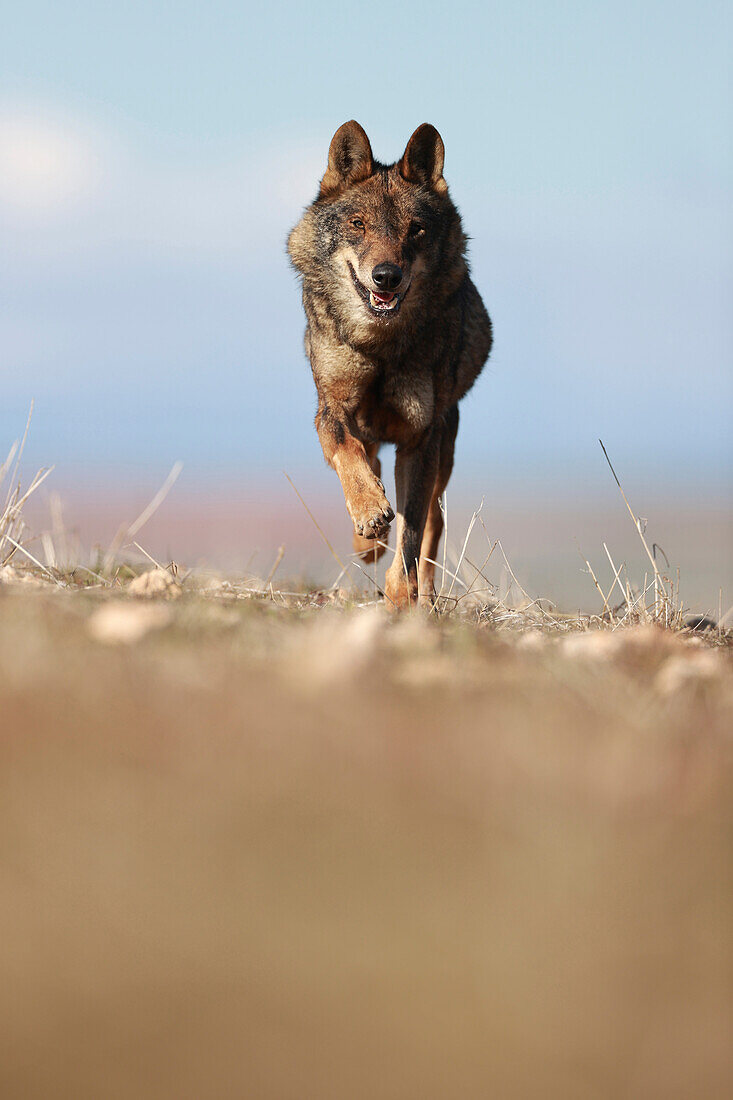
(349, 159)
(422, 161)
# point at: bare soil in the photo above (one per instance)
(269, 847)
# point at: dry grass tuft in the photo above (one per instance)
(12, 526)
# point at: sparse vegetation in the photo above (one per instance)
(279, 843)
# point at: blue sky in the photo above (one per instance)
(153, 158)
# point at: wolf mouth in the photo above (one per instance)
(379, 303)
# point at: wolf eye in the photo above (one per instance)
(416, 229)
(357, 223)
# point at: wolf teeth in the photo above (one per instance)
(378, 303)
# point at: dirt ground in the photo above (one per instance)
(257, 847)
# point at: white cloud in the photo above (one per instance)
(47, 165)
(66, 186)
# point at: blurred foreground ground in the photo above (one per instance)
(270, 851)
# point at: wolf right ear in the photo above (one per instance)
(349, 160)
(422, 160)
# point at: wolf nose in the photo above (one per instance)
(387, 276)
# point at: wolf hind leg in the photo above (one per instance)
(434, 522)
(370, 550)
(416, 470)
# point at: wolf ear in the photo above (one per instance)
(422, 161)
(349, 159)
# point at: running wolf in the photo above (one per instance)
(396, 334)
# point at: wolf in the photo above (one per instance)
(396, 334)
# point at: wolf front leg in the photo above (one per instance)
(371, 550)
(415, 475)
(363, 491)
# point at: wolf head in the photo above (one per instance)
(381, 244)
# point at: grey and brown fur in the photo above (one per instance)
(396, 335)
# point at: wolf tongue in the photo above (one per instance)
(383, 297)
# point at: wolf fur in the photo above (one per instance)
(396, 334)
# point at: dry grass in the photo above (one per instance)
(12, 525)
(280, 844)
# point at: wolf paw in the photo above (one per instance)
(400, 591)
(373, 522)
(370, 550)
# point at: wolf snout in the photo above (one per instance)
(387, 277)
